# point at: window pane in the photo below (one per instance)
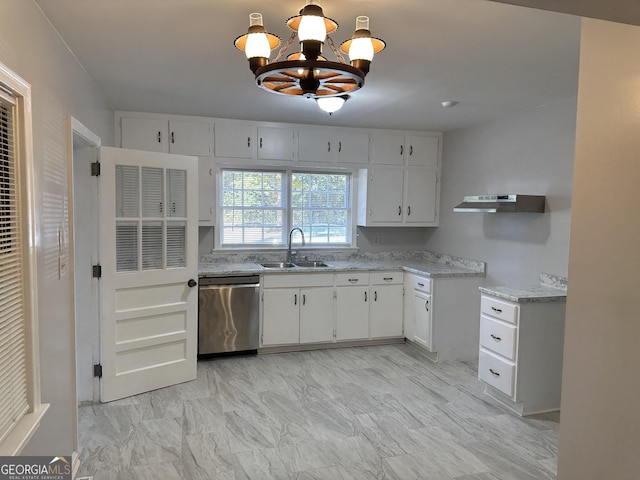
(176, 244)
(176, 193)
(152, 236)
(321, 206)
(127, 191)
(126, 246)
(152, 192)
(253, 208)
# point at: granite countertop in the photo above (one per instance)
(421, 267)
(535, 293)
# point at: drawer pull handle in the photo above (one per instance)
(388, 279)
(494, 373)
(499, 310)
(497, 339)
(353, 280)
(420, 284)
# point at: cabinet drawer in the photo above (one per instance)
(383, 278)
(499, 309)
(353, 278)
(296, 280)
(498, 337)
(496, 372)
(420, 284)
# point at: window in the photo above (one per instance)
(260, 207)
(20, 407)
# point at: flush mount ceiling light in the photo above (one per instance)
(306, 73)
(331, 104)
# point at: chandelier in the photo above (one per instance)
(306, 73)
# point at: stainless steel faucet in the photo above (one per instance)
(289, 254)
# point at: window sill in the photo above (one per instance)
(19, 437)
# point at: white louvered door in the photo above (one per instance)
(148, 253)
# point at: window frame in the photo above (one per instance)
(26, 426)
(287, 173)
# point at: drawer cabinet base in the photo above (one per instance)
(517, 407)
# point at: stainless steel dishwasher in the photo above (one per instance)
(228, 314)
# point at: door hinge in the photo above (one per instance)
(95, 169)
(96, 271)
(97, 371)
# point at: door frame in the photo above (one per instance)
(81, 137)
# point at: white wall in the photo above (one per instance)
(600, 424)
(60, 88)
(530, 152)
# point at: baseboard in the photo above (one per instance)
(324, 346)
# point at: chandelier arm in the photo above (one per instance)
(285, 47)
(335, 50)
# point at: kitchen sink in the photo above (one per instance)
(311, 264)
(277, 265)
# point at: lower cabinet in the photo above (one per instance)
(304, 308)
(521, 348)
(441, 316)
(316, 315)
(352, 306)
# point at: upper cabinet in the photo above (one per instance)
(397, 149)
(398, 171)
(327, 145)
(234, 141)
(183, 137)
(276, 143)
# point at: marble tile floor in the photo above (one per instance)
(366, 413)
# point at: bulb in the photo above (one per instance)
(257, 46)
(312, 27)
(331, 104)
(361, 49)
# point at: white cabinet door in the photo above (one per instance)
(385, 195)
(421, 151)
(423, 326)
(275, 143)
(206, 192)
(190, 137)
(386, 311)
(148, 134)
(314, 145)
(421, 193)
(234, 141)
(280, 316)
(387, 149)
(316, 315)
(349, 147)
(352, 313)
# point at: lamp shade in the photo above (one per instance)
(257, 43)
(331, 104)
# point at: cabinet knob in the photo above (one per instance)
(353, 280)
(248, 141)
(328, 146)
(260, 142)
(295, 299)
(375, 296)
(339, 147)
(173, 138)
(304, 299)
(159, 137)
(410, 150)
(399, 209)
(365, 296)
(401, 150)
(409, 210)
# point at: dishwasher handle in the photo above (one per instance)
(218, 287)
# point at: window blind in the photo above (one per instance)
(13, 363)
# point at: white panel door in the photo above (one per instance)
(386, 311)
(275, 143)
(190, 137)
(148, 134)
(385, 197)
(149, 254)
(352, 313)
(280, 316)
(423, 325)
(421, 195)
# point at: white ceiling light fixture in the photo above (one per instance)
(449, 103)
(331, 104)
(307, 73)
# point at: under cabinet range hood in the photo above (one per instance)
(502, 204)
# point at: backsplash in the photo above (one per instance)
(343, 256)
(553, 281)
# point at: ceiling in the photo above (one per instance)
(169, 56)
